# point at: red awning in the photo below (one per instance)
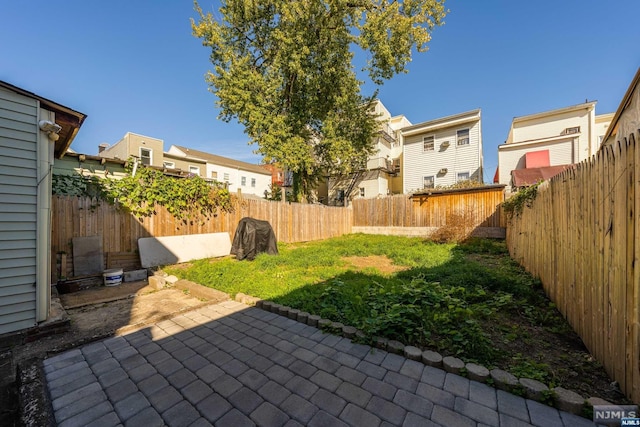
(537, 159)
(529, 176)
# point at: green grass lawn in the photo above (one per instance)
(469, 300)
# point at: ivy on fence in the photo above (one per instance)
(524, 197)
(140, 194)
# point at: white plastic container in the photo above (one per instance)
(112, 277)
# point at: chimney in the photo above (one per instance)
(102, 147)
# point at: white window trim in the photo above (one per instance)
(362, 192)
(433, 180)
(226, 177)
(424, 142)
(468, 137)
(150, 154)
(243, 181)
(194, 169)
(463, 179)
(253, 183)
(170, 165)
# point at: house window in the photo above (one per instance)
(463, 176)
(361, 191)
(428, 143)
(243, 181)
(571, 130)
(214, 175)
(146, 156)
(428, 182)
(194, 170)
(253, 182)
(226, 177)
(463, 136)
(396, 165)
(169, 165)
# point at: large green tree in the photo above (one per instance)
(285, 70)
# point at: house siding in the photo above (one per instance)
(135, 142)
(129, 146)
(511, 158)
(71, 165)
(182, 164)
(263, 181)
(373, 187)
(544, 128)
(456, 158)
(18, 154)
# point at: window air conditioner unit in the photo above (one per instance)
(445, 144)
(443, 171)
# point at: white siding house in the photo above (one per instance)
(246, 177)
(442, 152)
(32, 130)
(540, 144)
(409, 158)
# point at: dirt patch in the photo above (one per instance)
(562, 355)
(378, 262)
(103, 294)
(126, 314)
(107, 311)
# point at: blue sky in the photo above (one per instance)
(134, 66)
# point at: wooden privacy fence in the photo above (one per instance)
(581, 237)
(291, 222)
(120, 231)
(478, 206)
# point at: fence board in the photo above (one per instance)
(630, 255)
(120, 231)
(581, 237)
(635, 314)
(478, 206)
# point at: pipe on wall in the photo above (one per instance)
(44, 153)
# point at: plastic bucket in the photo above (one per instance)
(112, 277)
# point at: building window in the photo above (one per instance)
(463, 137)
(169, 165)
(361, 191)
(226, 177)
(214, 175)
(194, 170)
(243, 181)
(428, 143)
(571, 130)
(146, 156)
(428, 182)
(253, 182)
(463, 176)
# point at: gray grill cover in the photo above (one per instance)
(253, 237)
